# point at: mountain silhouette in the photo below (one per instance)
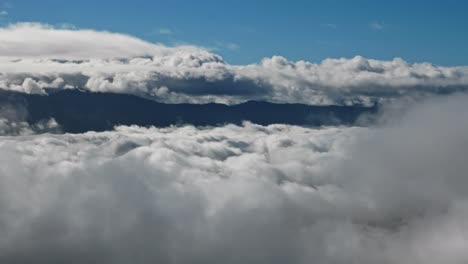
(78, 111)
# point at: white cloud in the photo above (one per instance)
(3, 13)
(64, 43)
(250, 194)
(108, 62)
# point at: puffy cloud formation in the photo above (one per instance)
(241, 194)
(34, 57)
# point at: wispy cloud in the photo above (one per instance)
(329, 25)
(232, 46)
(221, 45)
(4, 18)
(165, 31)
(4, 14)
(376, 25)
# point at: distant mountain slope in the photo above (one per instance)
(78, 111)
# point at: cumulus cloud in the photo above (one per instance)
(241, 194)
(35, 57)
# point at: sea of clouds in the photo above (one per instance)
(391, 193)
(35, 57)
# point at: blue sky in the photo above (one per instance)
(246, 31)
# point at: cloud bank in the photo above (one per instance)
(35, 57)
(241, 194)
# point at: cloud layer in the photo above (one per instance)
(34, 57)
(241, 194)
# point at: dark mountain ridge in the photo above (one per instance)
(78, 111)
